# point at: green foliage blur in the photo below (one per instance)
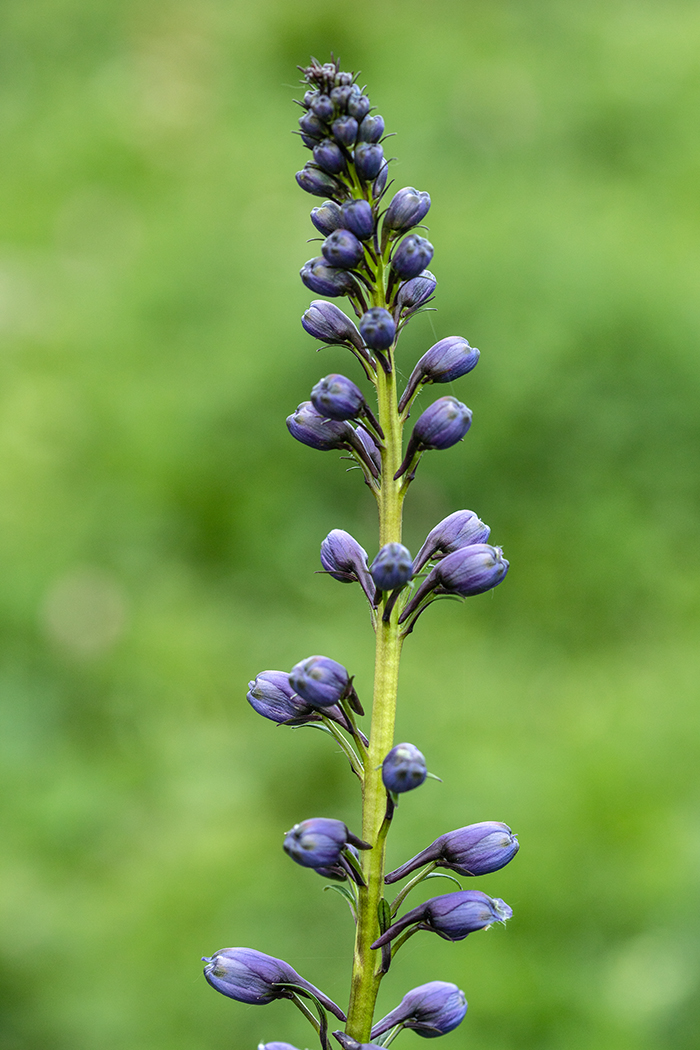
(159, 530)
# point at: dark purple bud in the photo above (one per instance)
(477, 849)
(403, 768)
(323, 279)
(412, 256)
(469, 571)
(329, 157)
(449, 359)
(322, 107)
(320, 681)
(251, 977)
(342, 95)
(453, 916)
(443, 424)
(358, 106)
(318, 183)
(345, 560)
(371, 129)
(377, 328)
(408, 207)
(342, 249)
(430, 1010)
(358, 218)
(316, 431)
(312, 127)
(457, 530)
(344, 130)
(327, 322)
(309, 96)
(392, 568)
(369, 158)
(337, 397)
(326, 218)
(371, 448)
(272, 696)
(414, 293)
(316, 843)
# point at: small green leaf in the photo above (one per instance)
(383, 914)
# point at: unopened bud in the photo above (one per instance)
(460, 529)
(453, 916)
(392, 568)
(430, 1010)
(320, 681)
(369, 158)
(477, 849)
(412, 256)
(377, 328)
(449, 359)
(408, 207)
(358, 218)
(342, 249)
(404, 768)
(327, 322)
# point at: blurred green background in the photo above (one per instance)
(160, 530)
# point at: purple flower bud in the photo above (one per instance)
(316, 431)
(457, 530)
(377, 328)
(309, 96)
(344, 130)
(345, 560)
(342, 249)
(272, 696)
(371, 448)
(470, 570)
(329, 157)
(408, 207)
(320, 681)
(369, 158)
(477, 849)
(412, 256)
(342, 95)
(326, 280)
(430, 1010)
(358, 218)
(403, 768)
(449, 359)
(316, 843)
(414, 293)
(254, 978)
(318, 183)
(443, 424)
(392, 568)
(322, 107)
(358, 106)
(327, 322)
(312, 127)
(371, 129)
(453, 916)
(326, 218)
(337, 397)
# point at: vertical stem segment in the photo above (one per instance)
(365, 978)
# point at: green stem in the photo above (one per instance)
(365, 978)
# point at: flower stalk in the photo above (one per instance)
(372, 255)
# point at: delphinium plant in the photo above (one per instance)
(372, 255)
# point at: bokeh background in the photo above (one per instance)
(160, 530)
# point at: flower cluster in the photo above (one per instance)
(372, 254)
